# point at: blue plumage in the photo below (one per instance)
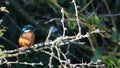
(26, 28)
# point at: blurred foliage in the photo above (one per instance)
(112, 61)
(3, 9)
(37, 12)
(2, 28)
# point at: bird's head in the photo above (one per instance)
(27, 28)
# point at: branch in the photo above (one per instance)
(77, 17)
(40, 46)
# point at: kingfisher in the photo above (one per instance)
(27, 36)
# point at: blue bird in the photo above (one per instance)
(27, 36)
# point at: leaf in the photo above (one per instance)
(115, 36)
(105, 19)
(1, 34)
(111, 61)
(101, 26)
(97, 19)
(97, 54)
(1, 46)
(72, 25)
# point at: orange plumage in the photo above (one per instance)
(27, 38)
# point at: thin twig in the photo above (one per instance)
(76, 14)
(49, 34)
(62, 21)
(51, 56)
(110, 15)
(23, 63)
(86, 6)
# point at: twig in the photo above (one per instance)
(62, 21)
(3, 29)
(110, 15)
(51, 56)
(24, 63)
(96, 64)
(1, 20)
(50, 31)
(86, 6)
(76, 14)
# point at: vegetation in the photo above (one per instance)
(89, 30)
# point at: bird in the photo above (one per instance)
(27, 36)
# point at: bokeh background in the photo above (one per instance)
(94, 14)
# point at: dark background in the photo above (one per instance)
(98, 14)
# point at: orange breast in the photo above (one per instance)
(27, 39)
